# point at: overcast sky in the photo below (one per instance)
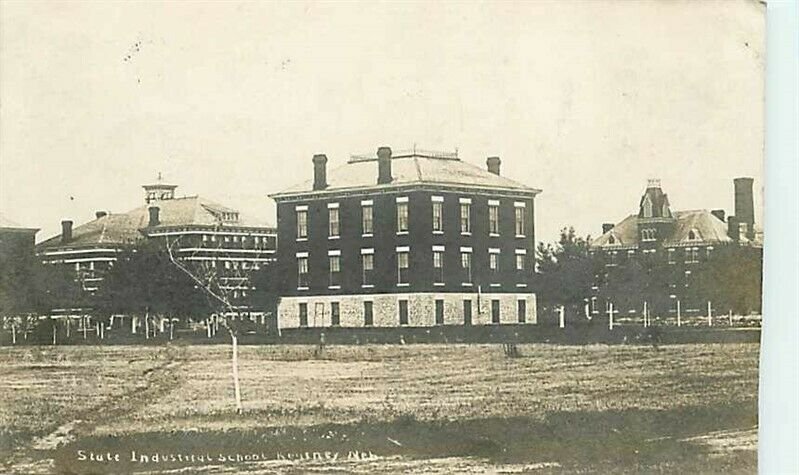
(585, 100)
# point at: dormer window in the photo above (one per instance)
(611, 240)
(693, 235)
(647, 208)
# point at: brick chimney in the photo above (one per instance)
(384, 165)
(607, 227)
(744, 204)
(66, 231)
(719, 213)
(319, 172)
(493, 164)
(100, 214)
(154, 218)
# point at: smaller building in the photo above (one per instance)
(200, 230)
(17, 259)
(680, 240)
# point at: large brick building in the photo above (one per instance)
(201, 230)
(406, 239)
(681, 240)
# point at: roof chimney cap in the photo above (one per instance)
(384, 165)
(66, 231)
(155, 219)
(100, 214)
(319, 171)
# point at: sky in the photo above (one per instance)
(584, 100)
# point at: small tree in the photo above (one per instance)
(731, 279)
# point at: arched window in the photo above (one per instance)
(611, 240)
(647, 207)
(693, 235)
(648, 235)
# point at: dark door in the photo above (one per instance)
(522, 311)
(335, 314)
(467, 312)
(403, 312)
(495, 311)
(439, 312)
(368, 319)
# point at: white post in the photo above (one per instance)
(730, 317)
(646, 321)
(235, 363)
(562, 317)
(85, 324)
(13, 333)
(208, 327)
(709, 314)
(133, 321)
(68, 325)
(102, 331)
(54, 333)
(171, 329)
(147, 325)
(610, 316)
(679, 316)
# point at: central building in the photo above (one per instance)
(406, 239)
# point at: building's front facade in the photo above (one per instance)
(677, 242)
(410, 239)
(16, 265)
(199, 231)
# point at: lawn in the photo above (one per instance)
(413, 408)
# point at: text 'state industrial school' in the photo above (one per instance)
(406, 238)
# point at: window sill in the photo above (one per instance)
(334, 287)
(402, 233)
(302, 288)
(466, 233)
(438, 232)
(367, 286)
(466, 284)
(439, 284)
(521, 236)
(493, 234)
(302, 239)
(403, 284)
(367, 235)
(333, 237)
(521, 285)
(495, 285)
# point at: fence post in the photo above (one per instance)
(646, 318)
(562, 317)
(730, 317)
(610, 316)
(709, 314)
(14, 333)
(679, 315)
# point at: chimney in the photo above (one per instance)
(732, 228)
(384, 165)
(66, 231)
(744, 204)
(319, 172)
(100, 214)
(719, 213)
(154, 220)
(607, 227)
(493, 164)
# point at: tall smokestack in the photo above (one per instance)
(100, 214)
(154, 216)
(493, 164)
(384, 165)
(607, 227)
(319, 172)
(744, 204)
(66, 231)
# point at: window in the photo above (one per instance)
(493, 262)
(691, 255)
(438, 218)
(493, 218)
(647, 207)
(648, 235)
(611, 240)
(367, 218)
(402, 214)
(466, 265)
(439, 312)
(205, 238)
(466, 211)
(402, 266)
(303, 314)
(612, 258)
(333, 220)
(302, 271)
(672, 257)
(438, 265)
(335, 270)
(403, 312)
(495, 311)
(368, 315)
(521, 257)
(467, 312)
(335, 314)
(521, 310)
(302, 223)
(367, 266)
(519, 210)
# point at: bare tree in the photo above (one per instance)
(222, 286)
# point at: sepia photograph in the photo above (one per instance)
(381, 237)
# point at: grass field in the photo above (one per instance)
(371, 409)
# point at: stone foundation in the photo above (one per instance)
(421, 309)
